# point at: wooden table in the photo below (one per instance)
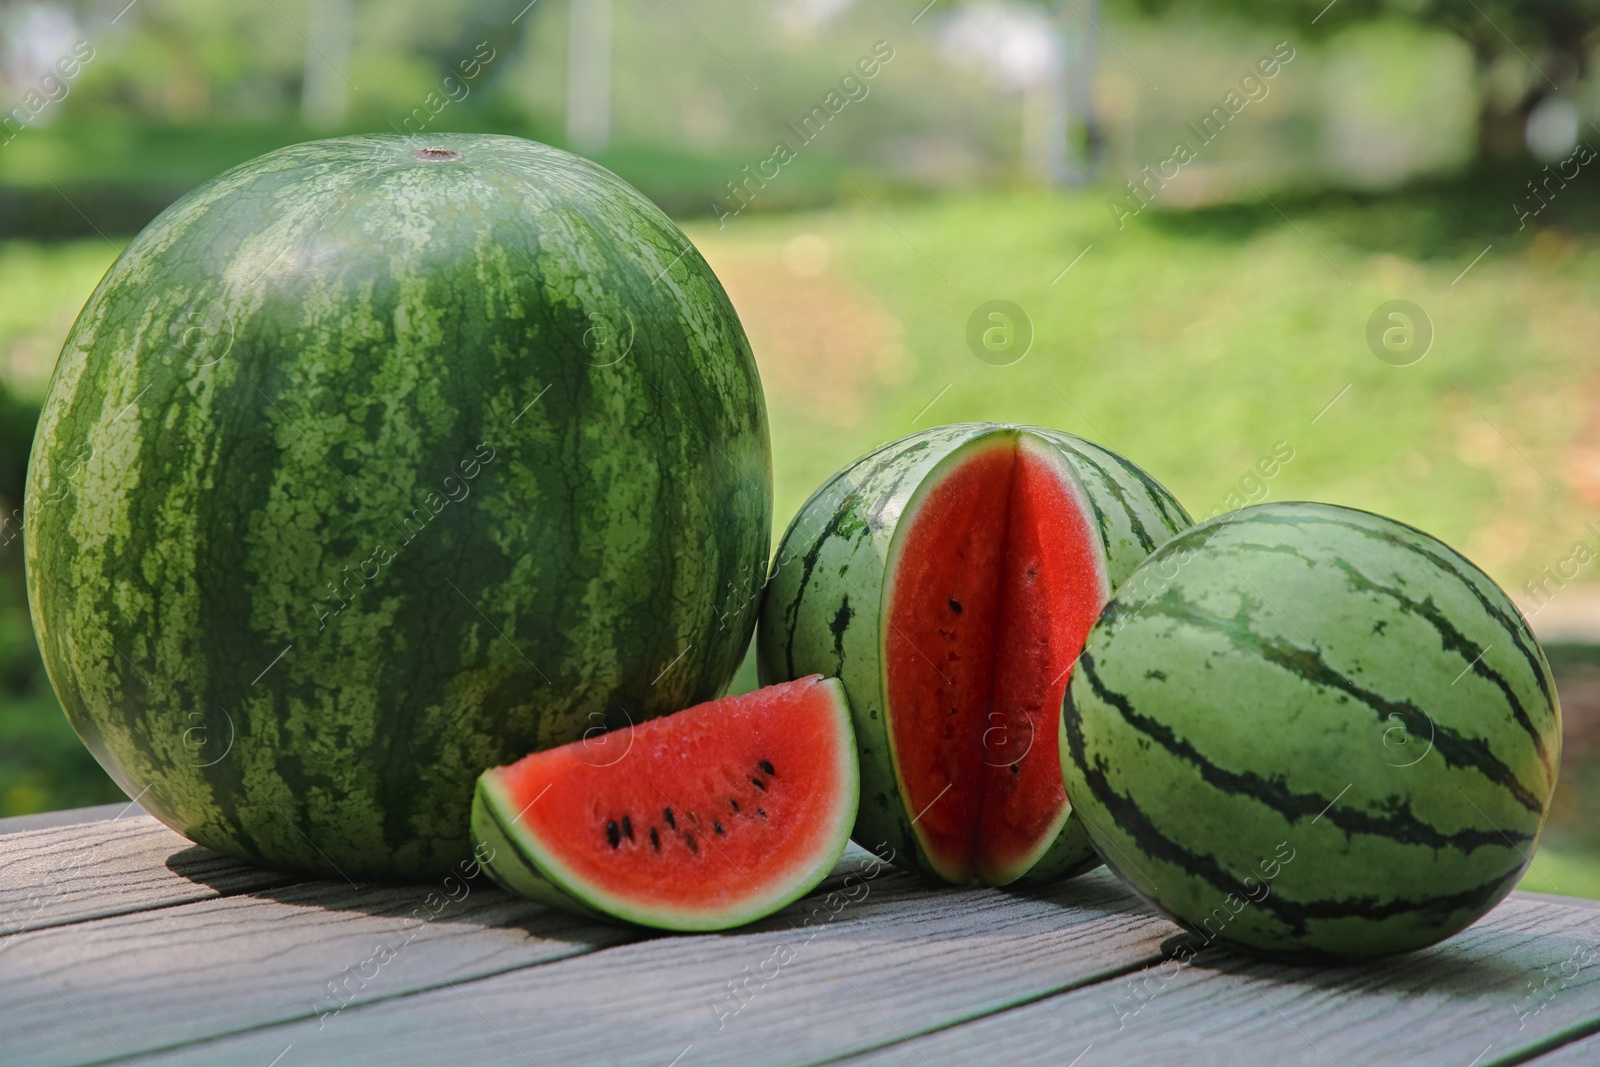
(124, 943)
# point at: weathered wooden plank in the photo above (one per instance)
(156, 978)
(899, 957)
(308, 950)
(71, 873)
(1476, 999)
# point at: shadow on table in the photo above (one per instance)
(445, 899)
(1453, 968)
(859, 892)
(455, 899)
(1458, 966)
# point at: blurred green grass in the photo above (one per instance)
(43, 766)
(1192, 343)
(1563, 871)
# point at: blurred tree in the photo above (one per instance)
(325, 90)
(1081, 139)
(1531, 54)
(1048, 61)
(345, 62)
(17, 420)
(589, 75)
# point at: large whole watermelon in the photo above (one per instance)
(1313, 732)
(948, 579)
(371, 464)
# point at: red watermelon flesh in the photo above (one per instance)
(996, 579)
(701, 820)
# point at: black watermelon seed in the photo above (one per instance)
(655, 839)
(766, 765)
(613, 833)
(1015, 769)
(955, 605)
(627, 827)
(735, 804)
(666, 813)
(761, 812)
(689, 838)
(717, 826)
(759, 784)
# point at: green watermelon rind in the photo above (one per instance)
(1385, 853)
(523, 864)
(830, 570)
(504, 859)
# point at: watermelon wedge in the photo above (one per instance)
(703, 820)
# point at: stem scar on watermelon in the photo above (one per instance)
(720, 814)
(948, 579)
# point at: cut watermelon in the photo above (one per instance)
(705, 819)
(949, 580)
(996, 580)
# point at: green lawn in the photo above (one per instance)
(1564, 872)
(1195, 344)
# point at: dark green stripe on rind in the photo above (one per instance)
(1401, 825)
(1148, 844)
(1309, 665)
(1310, 679)
(372, 324)
(1455, 641)
(847, 518)
(1490, 597)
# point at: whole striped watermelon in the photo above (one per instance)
(948, 580)
(372, 464)
(1313, 732)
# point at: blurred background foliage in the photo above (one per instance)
(1194, 315)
